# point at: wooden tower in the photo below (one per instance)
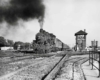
(80, 40)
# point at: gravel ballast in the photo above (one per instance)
(71, 70)
(39, 68)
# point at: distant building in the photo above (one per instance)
(80, 40)
(6, 48)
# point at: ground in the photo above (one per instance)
(36, 67)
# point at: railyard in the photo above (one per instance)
(53, 67)
(51, 52)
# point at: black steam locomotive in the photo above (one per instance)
(47, 42)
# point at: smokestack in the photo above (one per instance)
(84, 30)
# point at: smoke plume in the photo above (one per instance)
(13, 10)
(41, 20)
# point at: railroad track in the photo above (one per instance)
(77, 73)
(7, 60)
(70, 70)
(17, 64)
(14, 59)
(32, 68)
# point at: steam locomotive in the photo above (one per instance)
(46, 42)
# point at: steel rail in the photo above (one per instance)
(74, 61)
(79, 67)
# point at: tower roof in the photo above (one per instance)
(80, 33)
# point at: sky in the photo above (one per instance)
(63, 18)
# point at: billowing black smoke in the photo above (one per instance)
(21, 9)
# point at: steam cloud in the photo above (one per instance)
(21, 9)
(41, 22)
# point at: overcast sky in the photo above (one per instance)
(63, 18)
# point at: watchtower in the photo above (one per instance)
(80, 40)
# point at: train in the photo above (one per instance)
(46, 42)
